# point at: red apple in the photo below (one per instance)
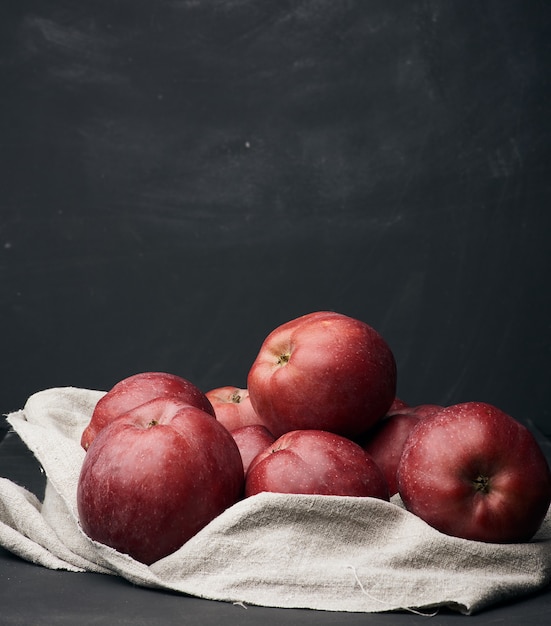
(472, 471)
(315, 462)
(385, 444)
(421, 410)
(137, 389)
(397, 406)
(424, 410)
(322, 371)
(233, 407)
(155, 476)
(251, 440)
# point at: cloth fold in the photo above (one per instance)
(279, 550)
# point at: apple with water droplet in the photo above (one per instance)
(232, 406)
(137, 389)
(315, 462)
(323, 371)
(252, 440)
(472, 471)
(155, 476)
(385, 443)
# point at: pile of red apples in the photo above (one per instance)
(319, 415)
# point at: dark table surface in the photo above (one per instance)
(33, 595)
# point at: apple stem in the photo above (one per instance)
(236, 397)
(152, 423)
(283, 359)
(482, 484)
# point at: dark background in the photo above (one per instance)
(178, 178)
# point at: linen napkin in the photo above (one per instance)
(277, 550)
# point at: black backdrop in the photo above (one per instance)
(178, 178)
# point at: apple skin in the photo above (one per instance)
(398, 406)
(385, 443)
(315, 462)
(137, 389)
(474, 472)
(155, 476)
(421, 410)
(232, 406)
(424, 410)
(322, 371)
(251, 440)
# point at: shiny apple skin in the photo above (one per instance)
(232, 406)
(474, 472)
(155, 476)
(315, 462)
(398, 406)
(323, 371)
(424, 410)
(251, 441)
(137, 389)
(385, 443)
